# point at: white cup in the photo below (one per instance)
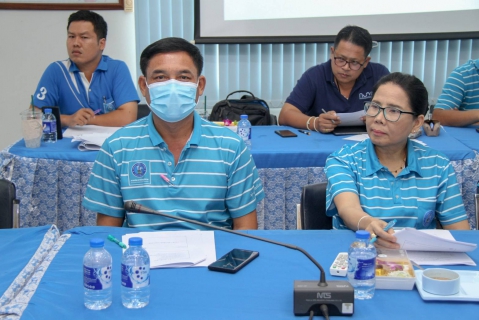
(32, 127)
(440, 281)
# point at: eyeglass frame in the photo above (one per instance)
(368, 103)
(347, 62)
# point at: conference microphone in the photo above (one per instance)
(308, 295)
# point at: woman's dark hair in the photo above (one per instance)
(99, 25)
(356, 35)
(168, 45)
(414, 88)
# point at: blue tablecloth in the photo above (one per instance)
(52, 179)
(467, 135)
(262, 290)
(269, 150)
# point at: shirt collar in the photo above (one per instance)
(373, 165)
(157, 140)
(103, 65)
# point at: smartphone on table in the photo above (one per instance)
(233, 261)
(285, 133)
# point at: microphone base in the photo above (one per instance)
(337, 295)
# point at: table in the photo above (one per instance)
(52, 179)
(262, 290)
(467, 135)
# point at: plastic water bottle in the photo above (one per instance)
(362, 266)
(97, 276)
(244, 130)
(49, 126)
(135, 275)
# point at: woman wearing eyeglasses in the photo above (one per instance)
(390, 176)
(340, 85)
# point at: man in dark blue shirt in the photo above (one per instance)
(340, 85)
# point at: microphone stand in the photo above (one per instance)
(136, 207)
(308, 296)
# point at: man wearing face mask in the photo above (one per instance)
(173, 160)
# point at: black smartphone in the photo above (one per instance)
(56, 113)
(285, 133)
(233, 261)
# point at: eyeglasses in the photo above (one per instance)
(391, 114)
(353, 65)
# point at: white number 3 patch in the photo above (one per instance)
(42, 94)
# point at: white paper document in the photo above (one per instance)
(91, 137)
(434, 247)
(177, 249)
(358, 137)
(351, 119)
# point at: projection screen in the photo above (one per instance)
(283, 21)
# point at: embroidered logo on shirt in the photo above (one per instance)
(428, 216)
(368, 95)
(139, 173)
(138, 169)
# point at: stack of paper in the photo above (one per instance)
(177, 249)
(91, 137)
(434, 247)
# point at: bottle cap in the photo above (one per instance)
(97, 243)
(48, 110)
(135, 241)
(244, 117)
(362, 234)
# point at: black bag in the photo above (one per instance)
(256, 109)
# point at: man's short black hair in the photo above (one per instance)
(356, 35)
(99, 24)
(168, 45)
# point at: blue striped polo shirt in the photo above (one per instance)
(461, 89)
(214, 181)
(422, 192)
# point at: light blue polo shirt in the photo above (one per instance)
(63, 85)
(461, 89)
(214, 181)
(424, 191)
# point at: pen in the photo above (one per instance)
(386, 228)
(305, 132)
(165, 178)
(324, 111)
(97, 111)
(115, 240)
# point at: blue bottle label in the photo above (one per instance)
(49, 126)
(364, 269)
(244, 133)
(135, 276)
(97, 278)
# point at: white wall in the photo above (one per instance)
(31, 40)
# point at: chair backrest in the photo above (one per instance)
(143, 110)
(7, 198)
(313, 208)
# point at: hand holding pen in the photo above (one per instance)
(386, 228)
(328, 121)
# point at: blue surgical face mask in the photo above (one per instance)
(172, 100)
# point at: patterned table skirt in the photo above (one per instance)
(51, 191)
